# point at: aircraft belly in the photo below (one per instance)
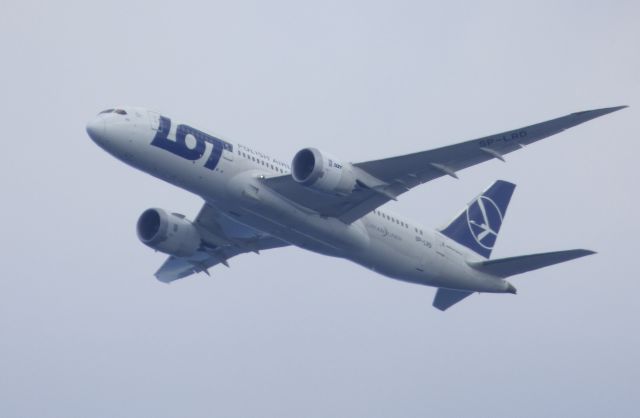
(396, 260)
(257, 206)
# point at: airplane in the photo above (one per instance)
(254, 202)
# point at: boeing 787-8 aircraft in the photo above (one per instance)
(254, 202)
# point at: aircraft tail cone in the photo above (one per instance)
(511, 289)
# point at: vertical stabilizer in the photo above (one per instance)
(478, 225)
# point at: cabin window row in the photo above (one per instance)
(396, 221)
(262, 162)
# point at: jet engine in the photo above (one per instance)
(322, 172)
(169, 233)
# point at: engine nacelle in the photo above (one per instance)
(168, 232)
(322, 172)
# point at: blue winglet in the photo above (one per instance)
(478, 225)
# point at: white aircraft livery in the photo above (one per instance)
(254, 202)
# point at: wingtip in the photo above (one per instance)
(594, 113)
(616, 108)
(583, 253)
(440, 308)
(163, 278)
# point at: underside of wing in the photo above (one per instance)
(347, 208)
(175, 268)
(396, 175)
(222, 239)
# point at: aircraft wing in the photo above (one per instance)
(385, 179)
(223, 238)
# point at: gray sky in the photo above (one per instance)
(85, 329)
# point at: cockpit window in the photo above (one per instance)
(118, 111)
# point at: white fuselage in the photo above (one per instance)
(380, 241)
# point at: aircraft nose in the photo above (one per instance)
(95, 129)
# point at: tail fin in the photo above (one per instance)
(505, 267)
(478, 225)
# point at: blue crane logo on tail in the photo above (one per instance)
(478, 225)
(484, 219)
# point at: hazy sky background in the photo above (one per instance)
(85, 329)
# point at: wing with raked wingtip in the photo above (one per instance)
(223, 238)
(382, 180)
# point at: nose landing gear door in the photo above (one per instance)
(154, 120)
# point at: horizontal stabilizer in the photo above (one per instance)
(505, 267)
(445, 298)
